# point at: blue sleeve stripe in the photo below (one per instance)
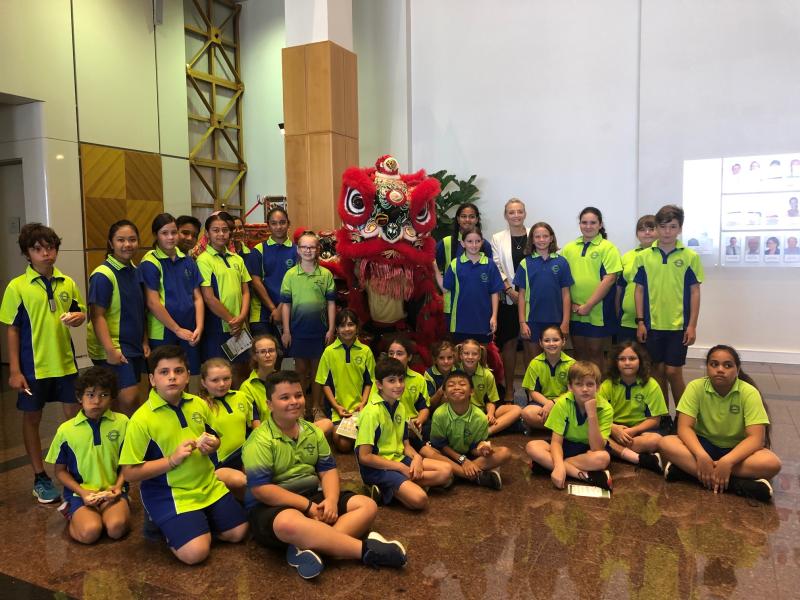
(438, 443)
(325, 463)
(420, 403)
(259, 476)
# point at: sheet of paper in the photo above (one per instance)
(236, 345)
(348, 427)
(588, 491)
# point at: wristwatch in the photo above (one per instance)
(639, 320)
(462, 459)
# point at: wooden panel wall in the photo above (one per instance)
(118, 184)
(320, 106)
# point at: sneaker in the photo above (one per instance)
(63, 508)
(151, 531)
(673, 473)
(490, 479)
(380, 552)
(44, 490)
(651, 462)
(375, 494)
(758, 489)
(307, 562)
(601, 479)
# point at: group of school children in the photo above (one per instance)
(241, 457)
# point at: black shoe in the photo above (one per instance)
(380, 552)
(151, 531)
(673, 473)
(651, 462)
(758, 489)
(601, 479)
(490, 479)
(668, 425)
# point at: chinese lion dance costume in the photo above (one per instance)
(386, 251)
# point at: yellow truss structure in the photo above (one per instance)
(214, 73)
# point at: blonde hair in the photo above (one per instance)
(514, 201)
(583, 369)
(211, 363)
(481, 350)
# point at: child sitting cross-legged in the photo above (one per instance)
(386, 459)
(287, 460)
(460, 433)
(167, 447)
(85, 452)
(580, 424)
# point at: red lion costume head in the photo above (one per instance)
(386, 246)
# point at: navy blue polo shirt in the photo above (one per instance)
(543, 281)
(270, 261)
(115, 286)
(471, 285)
(175, 281)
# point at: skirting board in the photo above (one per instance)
(764, 356)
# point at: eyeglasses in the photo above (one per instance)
(267, 351)
(307, 248)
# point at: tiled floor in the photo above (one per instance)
(650, 540)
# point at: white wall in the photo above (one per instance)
(568, 104)
(262, 37)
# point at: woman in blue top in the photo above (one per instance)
(171, 282)
(116, 333)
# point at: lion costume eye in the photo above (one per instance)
(423, 216)
(354, 203)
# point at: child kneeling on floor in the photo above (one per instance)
(286, 460)
(167, 447)
(460, 433)
(723, 432)
(580, 424)
(85, 452)
(386, 459)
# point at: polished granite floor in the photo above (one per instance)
(650, 540)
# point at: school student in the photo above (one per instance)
(345, 373)
(594, 263)
(545, 378)
(626, 286)
(580, 424)
(268, 263)
(176, 312)
(85, 452)
(444, 357)
(116, 332)
(294, 497)
(723, 432)
(472, 360)
(474, 283)
(264, 355)
(543, 280)
(668, 278)
(638, 404)
(38, 309)
(388, 463)
(308, 304)
(233, 420)
(225, 293)
(167, 448)
(188, 233)
(460, 433)
(467, 218)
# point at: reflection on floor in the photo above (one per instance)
(651, 540)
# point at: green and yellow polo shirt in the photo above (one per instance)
(549, 380)
(347, 370)
(254, 389)
(589, 262)
(461, 432)
(484, 388)
(308, 294)
(567, 420)
(634, 403)
(383, 426)
(224, 272)
(233, 415)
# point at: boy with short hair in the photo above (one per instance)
(581, 424)
(287, 460)
(667, 296)
(38, 307)
(460, 432)
(167, 447)
(386, 459)
(188, 232)
(85, 452)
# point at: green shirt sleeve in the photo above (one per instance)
(55, 446)
(367, 424)
(605, 417)
(529, 380)
(135, 446)
(481, 428)
(611, 260)
(324, 369)
(604, 393)
(243, 272)
(438, 433)
(205, 271)
(690, 400)
(753, 406)
(491, 387)
(556, 420)
(654, 399)
(10, 305)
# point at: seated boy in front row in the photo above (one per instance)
(167, 448)
(460, 433)
(286, 459)
(580, 424)
(388, 463)
(85, 452)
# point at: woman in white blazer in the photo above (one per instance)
(508, 250)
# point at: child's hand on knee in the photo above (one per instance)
(559, 476)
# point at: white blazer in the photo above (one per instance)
(501, 254)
